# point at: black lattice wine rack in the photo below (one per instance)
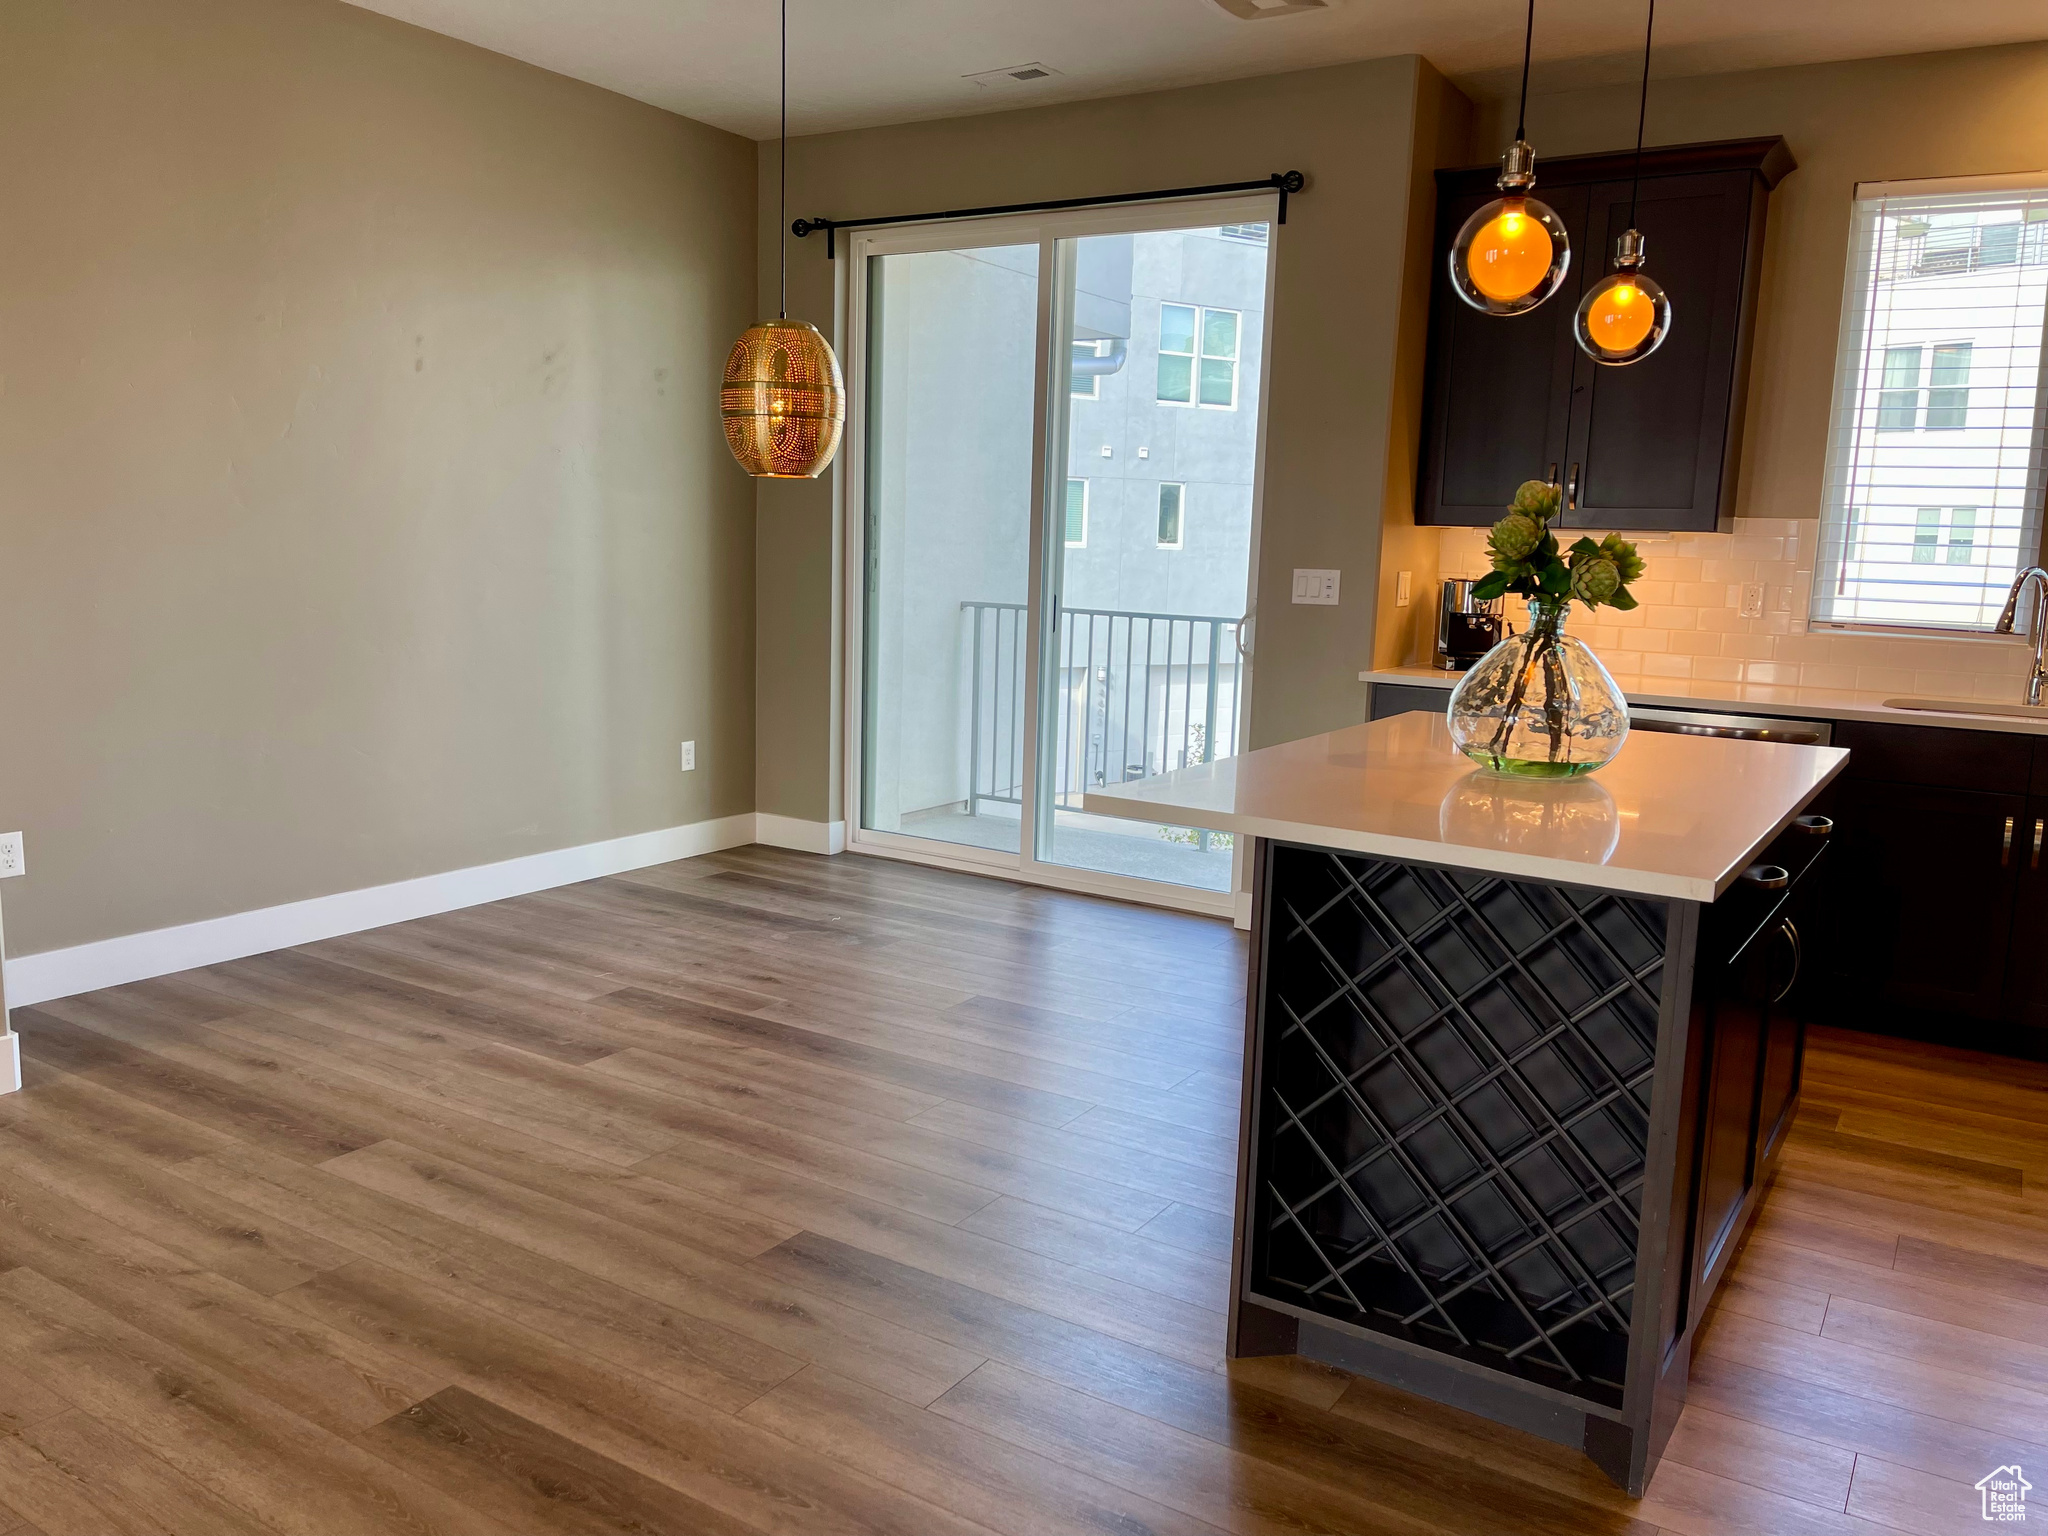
(1454, 1109)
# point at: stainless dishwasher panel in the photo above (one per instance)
(1688, 722)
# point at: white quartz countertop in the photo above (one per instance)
(1758, 699)
(1671, 816)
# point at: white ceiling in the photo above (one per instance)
(854, 63)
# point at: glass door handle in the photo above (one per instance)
(1244, 627)
(1571, 491)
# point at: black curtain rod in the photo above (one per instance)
(1286, 183)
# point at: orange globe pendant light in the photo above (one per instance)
(1625, 316)
(783, 402)
(1513, 253)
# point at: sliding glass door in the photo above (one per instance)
(950, 376)
(1055, 471)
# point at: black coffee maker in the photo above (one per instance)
(1466, 628)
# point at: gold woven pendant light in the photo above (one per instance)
(784, 399)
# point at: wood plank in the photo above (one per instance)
(1942, 1301)
(1906, 1499)
(1871, 1151)
(306, 1134)
(814, 1046)
(669, 1057)
(328, 1380)
(1950, 1346)
(1078, 1152)
(1239, 1482)
(983, 1165)
(1054, 1347)
(72, 1474)
(243, 1448)
(1096, 1302)
(1193, 1228)
(1980, 1273)
(1789, 1306)
(1766, 1457)
(298, 1071)
(709, 1362)
(782, 1317)
(105, 1179)
(728, 1465)
(976, 1475)
(1153, 1266)
(529, 1477)
(1867, 1402)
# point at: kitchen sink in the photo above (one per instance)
(1972, 707)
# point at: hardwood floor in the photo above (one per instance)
(769, 1193)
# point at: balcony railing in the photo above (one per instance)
(1139, 694)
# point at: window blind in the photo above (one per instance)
(1935, 442)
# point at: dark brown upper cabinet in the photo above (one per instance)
(1652, 446)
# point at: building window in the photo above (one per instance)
(1926, 535)
(1198, 356)
(1898, 406)
(1937, 393)
(1087, 386)
(1962, 535)
(1077, 514)
(1948, 393)
(1251, 234)
(1172, 501)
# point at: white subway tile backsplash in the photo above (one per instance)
(1691, 618)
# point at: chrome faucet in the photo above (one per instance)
(2032, 573)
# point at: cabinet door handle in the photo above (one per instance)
(2005, 849)
(1571, 491)
(2039, 827)
(1791, 931)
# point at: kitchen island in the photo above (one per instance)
(1516, 1073)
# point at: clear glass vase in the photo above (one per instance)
(1539, 705)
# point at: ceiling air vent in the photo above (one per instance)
(1259, 10)
(1018, 74)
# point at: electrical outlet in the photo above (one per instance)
(1404, 588)
(1753, 600)
(13, 856)
(1316, 587)
(689, 755)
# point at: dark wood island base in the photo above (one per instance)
(1479, 1110)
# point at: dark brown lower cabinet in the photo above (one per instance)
(1755, 1043)
(2026, 966)
(1927, 887)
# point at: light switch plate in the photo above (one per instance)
(1404, 588)
(1318, 587)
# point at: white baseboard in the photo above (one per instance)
(803, 836)
(10, 1063)
(137, 956)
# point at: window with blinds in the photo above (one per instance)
(1935, 444)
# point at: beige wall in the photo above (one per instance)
(1965, 113)
(1339, 305)
(363, 512)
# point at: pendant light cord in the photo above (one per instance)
(783, 222)
(1528, 42)
(1642, 112)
